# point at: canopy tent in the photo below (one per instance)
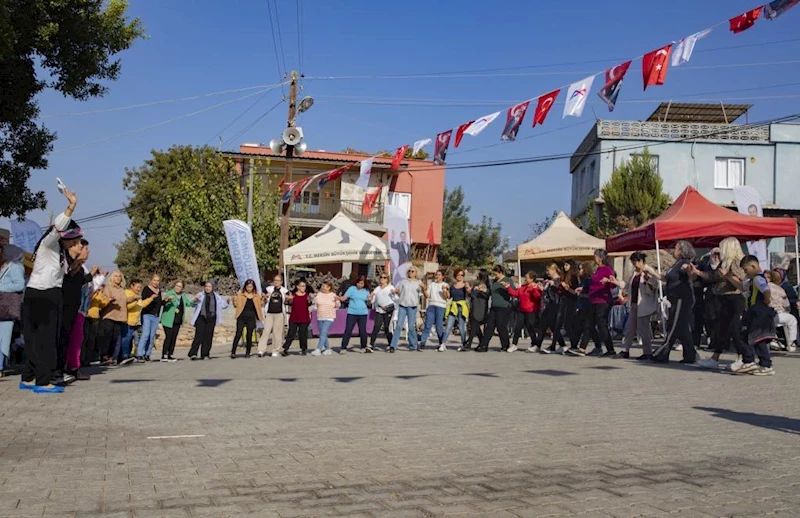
(696, 219)
(340, 240)
(562, 240)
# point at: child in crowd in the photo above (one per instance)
(299, 318)
(326, 304)
(759, 320)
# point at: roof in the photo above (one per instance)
(248, 150)
(339, 241)
(562, 240)
(694, 218)
(699, 113)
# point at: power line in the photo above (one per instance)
(281, 69)
(253, 105)
(300, 36)
(151, 126)
(247, 128)
(280, 35)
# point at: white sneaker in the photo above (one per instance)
(744, 368)
(326, 352)
(791, 348)
(316, 352)
(260, 354)
(275, 354)
(560, 350)
(678, 347)
(763, 371)
(533, 349)
(775, 346)
(442, 348)
(708, 363)
(512, 348)
(342, 351)
(735, 365)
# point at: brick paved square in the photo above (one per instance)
(407, 435)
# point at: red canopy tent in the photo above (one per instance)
(694, 218)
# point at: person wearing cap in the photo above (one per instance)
(41, 306)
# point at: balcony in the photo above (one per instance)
(316, 211)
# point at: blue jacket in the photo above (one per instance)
(12, 278)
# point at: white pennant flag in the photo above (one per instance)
(576, 97)
(479, 125)
(421, 144)
(364, 174)
(682, 52)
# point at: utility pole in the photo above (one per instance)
(290, 122)
(250, 194)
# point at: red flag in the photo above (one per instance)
(460, 132)
(543, 106)
(370, 200)
(514, 119)
(301, 186)
(333, 175)
(614, 77)
(283, 181)
(655, 65)
(442, 142)
(431, 237)
(398, 157)
(745, 20)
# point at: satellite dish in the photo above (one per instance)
(300, 148)
(305, 103)
(292, 136)
(276, 146)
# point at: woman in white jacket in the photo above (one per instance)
(274, 317)
(644, 303)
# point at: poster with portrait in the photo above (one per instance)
(748, 202)
(399, 240)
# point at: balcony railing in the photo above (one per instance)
(326, 208)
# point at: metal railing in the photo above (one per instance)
(326, 208)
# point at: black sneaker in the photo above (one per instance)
(391, 350)
(194, 357)
(645, 357)
(284, 352)
(233, 356)
(303, 352)
(147, 358)
(609, 354)
(623, 355)
(597, 351)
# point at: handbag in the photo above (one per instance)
(388, 308)
(10, 305)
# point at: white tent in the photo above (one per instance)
(339, 241)
(561, 240)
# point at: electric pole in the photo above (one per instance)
(286, 208)
(250, 194)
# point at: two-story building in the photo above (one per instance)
(417, 188)
(697, 145)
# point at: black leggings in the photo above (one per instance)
(350, 324)
(527, 321)
(475, 330)
(294, 330)
(597, 318)
(730, 323)
(170, 338)
(246, 323)
(41, 324)
(567, 319)
(679, 328)
(382, 321)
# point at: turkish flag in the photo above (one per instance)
(431, 237)
(745, 20)
(370, 200)
(543, 106)
(654, 66)
(440, 150)
(460, 131)
(398, 157)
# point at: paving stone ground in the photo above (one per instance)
(409, 434)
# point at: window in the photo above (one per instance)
(307, 203)
(401, 200)
(582, 181)
(653, 161)
(728, 173)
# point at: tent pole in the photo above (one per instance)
(661, 316)
(796, 261)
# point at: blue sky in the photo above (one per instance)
(203, 46)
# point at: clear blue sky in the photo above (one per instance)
(203, 46)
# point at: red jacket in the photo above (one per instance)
(530, 298)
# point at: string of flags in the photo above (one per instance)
(655, 65)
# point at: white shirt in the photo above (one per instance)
(383, 297)
(436, 294)
(48, 272)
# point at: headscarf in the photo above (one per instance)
(98, 282)
(782, 273)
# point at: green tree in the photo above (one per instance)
(465, 243)
(419, 155)
(538, 228)
(67, 45)
(179, 199)
(632, 196)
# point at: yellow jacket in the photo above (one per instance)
(98, 302)
(453, 307)
(135, 308)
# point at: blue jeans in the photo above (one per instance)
(462, 327)
(126, 336)
(324, 328)
(434, 315)
(406, 314)
(149, 329)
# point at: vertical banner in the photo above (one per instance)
(399, 238)
(748, 202)
(26, 234)
(243, 251)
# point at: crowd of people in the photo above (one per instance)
(73, 316)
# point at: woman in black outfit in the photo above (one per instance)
(479, 309)
(551, 300)
(680, 295)
(569, 303)
(248, 304)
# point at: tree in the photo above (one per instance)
(632, 196)
(65, 45)
(179, 199)
(538, 228)
(409, 154)
(465, 243)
